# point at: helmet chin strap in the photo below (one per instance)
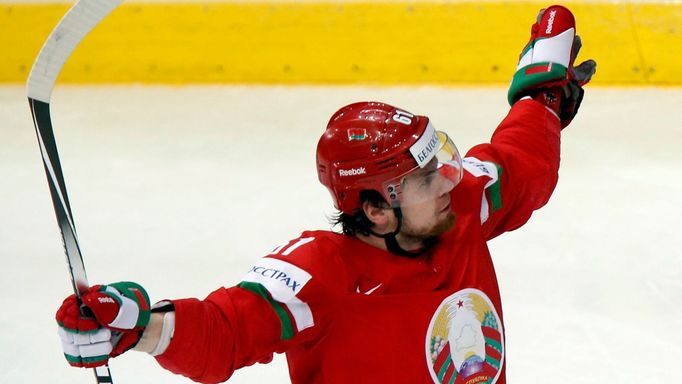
(392, 243)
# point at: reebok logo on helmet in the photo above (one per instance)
(352, 171)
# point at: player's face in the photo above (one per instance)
(425, 203)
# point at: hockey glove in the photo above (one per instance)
(545, 70)
(119, 314)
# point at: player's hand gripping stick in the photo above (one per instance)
(121, 312)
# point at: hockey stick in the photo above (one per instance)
(72, 28)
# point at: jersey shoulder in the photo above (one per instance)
(299, 279)
(311, 260)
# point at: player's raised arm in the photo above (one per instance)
(521, 162)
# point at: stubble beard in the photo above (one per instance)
(420, 234)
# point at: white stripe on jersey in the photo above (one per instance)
(480, 168)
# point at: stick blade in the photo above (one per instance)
(72, 28)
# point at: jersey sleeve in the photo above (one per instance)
(518, 169)
(277, 306)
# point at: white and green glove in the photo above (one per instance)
(545, 69)
(117, 316)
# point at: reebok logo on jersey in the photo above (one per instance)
(352, 172)
(277, 275)
(550, 22)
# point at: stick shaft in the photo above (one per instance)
(69, 32)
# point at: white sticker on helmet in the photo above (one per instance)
(426, 147)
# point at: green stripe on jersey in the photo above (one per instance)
(285, 320)
(495, 192)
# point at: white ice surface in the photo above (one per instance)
(180, 189)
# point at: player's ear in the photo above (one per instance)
(379, 214)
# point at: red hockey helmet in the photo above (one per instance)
(373, 146)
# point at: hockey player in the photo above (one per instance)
(407, 293)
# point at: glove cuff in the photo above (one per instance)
(564, 101)
(532, 76)
(139, 296)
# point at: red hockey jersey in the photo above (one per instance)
(346, 312)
